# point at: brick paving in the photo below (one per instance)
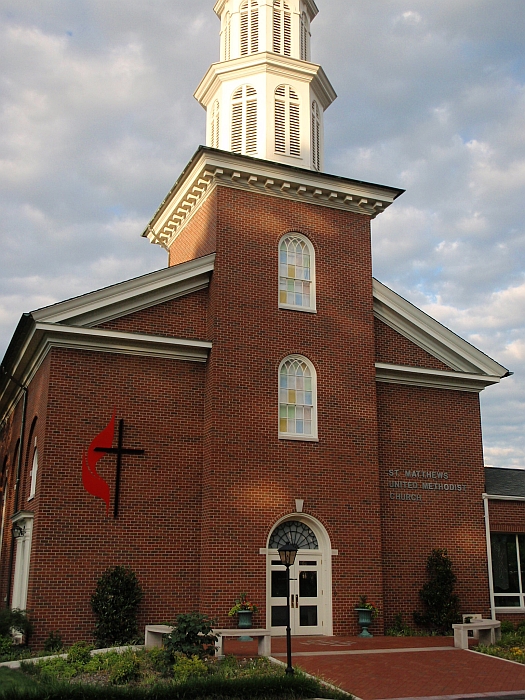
(388, 668)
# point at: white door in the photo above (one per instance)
(306, 609)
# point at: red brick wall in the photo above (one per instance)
(199, 234)
(393, 348)
(251, 478)
(507, 516)
(36, 413)
(437, 431)
(185, 317)
(158, 529)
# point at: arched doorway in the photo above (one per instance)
(311, 578)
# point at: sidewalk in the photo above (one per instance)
(388, 668)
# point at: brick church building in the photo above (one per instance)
(264, 388)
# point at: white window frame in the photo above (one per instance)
(22, 560)
(33, 473)
(291, 121)
(282, 28)
(521, 595)
(313, 437)
(247, 106)
(249, 16)
(312, 309)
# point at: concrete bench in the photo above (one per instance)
(154, 633)
(263, 637)
(488, 632)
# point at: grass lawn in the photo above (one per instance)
(11, 680)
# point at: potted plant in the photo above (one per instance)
(366, 612)
(244, 609)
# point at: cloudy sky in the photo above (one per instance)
(97, 120)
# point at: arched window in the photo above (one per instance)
(215, 124)
(296, 273)
(297, 399)
(293, 532)
(244, 120)
(316, 136)
(33, 474)
(305, 37)
(227, 36)
(282, 28)
(249, 27)
(287, 121)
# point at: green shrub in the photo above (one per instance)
(115, 604)
(185, 668)
(80, 653)
(6, 646)
(54, 642)
(507, 627)
(14, 619)
(399, 628)
(437, 595)
(125, 670)
(192, 636)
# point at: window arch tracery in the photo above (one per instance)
(249, 27)
(296, 273)
(244, 120)
(293, 532)
(287, 121)
(297, 399)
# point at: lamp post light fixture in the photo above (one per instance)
(287, 554)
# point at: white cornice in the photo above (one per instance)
(130, 296)
(258, 63)
(432, 336)
(433, 378)
(210, 168)
(45, 336)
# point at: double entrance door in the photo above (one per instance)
(306, 610)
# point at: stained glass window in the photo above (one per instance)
(296, 398)
(293, 532)
(296, 273)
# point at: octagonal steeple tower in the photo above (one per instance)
(265, 98)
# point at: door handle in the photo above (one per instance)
(291, 601)
(296, 600)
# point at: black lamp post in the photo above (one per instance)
(287, 554)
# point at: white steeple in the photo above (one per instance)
(265, 98)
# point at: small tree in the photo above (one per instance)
(437, 595)
(192, 636)
(13, 619)
(115, 604)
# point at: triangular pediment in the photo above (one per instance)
(130, 296)
(430, 335)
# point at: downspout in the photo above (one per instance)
(489, 556)
(17, 482)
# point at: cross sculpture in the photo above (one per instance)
(119, 451)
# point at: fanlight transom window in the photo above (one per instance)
(287, 121)
(293, 532)
(249, 27)
(296, 273)
(244, 120)
(297, 398)
(282, 28)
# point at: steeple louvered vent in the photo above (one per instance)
(244, 120)
(249, 27)
(282, 28)
(287, 121)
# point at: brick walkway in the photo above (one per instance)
(399, 667)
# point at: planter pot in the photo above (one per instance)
(365, 620)
(244, 622)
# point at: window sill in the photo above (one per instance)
(31, 497)
(510, 610)
(302, 438)
(286, 307)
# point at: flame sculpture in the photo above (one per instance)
(93, 483)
